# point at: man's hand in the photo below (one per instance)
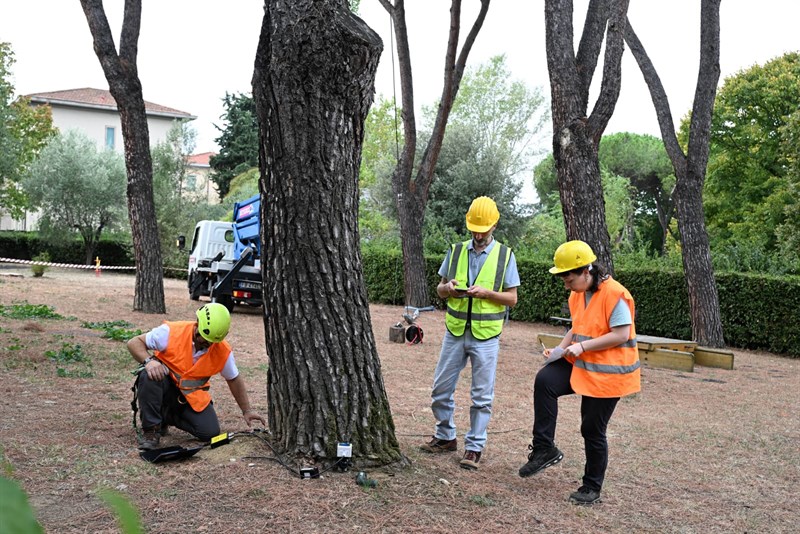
(250, 416)
(156, 370)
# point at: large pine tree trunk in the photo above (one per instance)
(581, 189)
(313, 85)
(123, 82)
(690, 172)
(149, 288)
(700, 283)
(411, 214)
(576, 133)
(411, 195)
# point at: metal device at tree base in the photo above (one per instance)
(413, 332)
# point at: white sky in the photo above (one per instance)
(192, 51)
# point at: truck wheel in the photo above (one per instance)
(227, 301)
(195, 288)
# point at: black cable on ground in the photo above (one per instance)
(276, 458)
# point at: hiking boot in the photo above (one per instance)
(584, 496)
(540, 459)
(149, 438)
(437, 445)
(470, 460)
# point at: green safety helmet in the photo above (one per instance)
(213, 322)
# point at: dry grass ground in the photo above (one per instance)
(709, 451)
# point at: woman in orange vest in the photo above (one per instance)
(597, 359)
(172, 386)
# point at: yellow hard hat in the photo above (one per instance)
(482, 215)
(213, 322)
(571, 255)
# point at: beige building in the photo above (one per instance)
(198, 177)
(94, 112)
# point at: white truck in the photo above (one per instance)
(225, 257)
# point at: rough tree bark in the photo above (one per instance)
(123, 81)
(411, 195)
(576, 135)
(313, 86)
(690, 172)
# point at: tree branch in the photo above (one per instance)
(128, 44)
(564, 79)
(387, 5)
(590, 45)
(659, 98)
(612, 71)
(453, 72)
(398, 15)
(103, 42)
(706, 91)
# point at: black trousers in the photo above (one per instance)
(552, 382)
(161, 403)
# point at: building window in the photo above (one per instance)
(110, 137)
(191, 182)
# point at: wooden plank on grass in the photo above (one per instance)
(668, 359)
(650, 343)
(709, 357)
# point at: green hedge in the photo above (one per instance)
(758, 312)
(26, 245)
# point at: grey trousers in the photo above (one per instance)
(161, 404)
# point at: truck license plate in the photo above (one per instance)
(249, 285)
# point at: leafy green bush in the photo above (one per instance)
(23, 310)
(38, 270)
(116, 330)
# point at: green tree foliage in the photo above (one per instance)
(79, 189)
(637, 181)
(494, 129)
(545, 181)
(238, 141)
(466, 171)
(643, 162)
(243, 186)
(788, 232)
(749, 186)
(24, 131)
(383, 138)
(509, 118)
(177, 207)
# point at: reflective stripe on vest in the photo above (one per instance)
(190, 386)
(486, 317)
(608, 369)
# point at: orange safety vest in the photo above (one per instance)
(190, 377)
(607, 373)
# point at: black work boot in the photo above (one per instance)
(539, 459)
(149, 438)
(584, 496)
